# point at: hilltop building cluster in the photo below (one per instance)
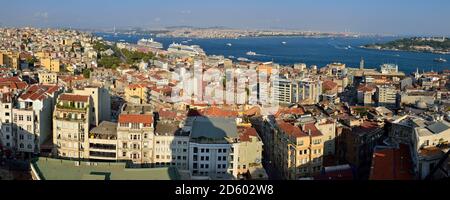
(331, 122)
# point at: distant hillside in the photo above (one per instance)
(432, 45)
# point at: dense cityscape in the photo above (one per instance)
(73, 103)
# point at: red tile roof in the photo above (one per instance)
(366, 88)
(314, 131)
(72, 97)
(392, 164)
(136, 118)
(291, 129)
(329, 85)
(246, 133)
(39, 92)
(167, 114)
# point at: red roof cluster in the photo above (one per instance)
(136, 118)
(39, 92)
(13, 83)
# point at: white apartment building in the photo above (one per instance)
(171, 146)
(32, 117)
(213, 148)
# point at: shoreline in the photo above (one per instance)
(401, 50)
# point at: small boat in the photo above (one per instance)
(229, 44)
(231, 57)
(122, 40)
(284, 42)
(184, 42)
(251, 53)
(441, 60)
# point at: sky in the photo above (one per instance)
(400, 17)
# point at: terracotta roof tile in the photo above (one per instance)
(135, 118)
(72, 97)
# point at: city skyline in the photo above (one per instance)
(375, 17)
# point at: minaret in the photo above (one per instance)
(361, 64)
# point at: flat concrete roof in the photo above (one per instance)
(214, 128)
(57, 169)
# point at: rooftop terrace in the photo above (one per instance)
(56, 169)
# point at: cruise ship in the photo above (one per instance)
(193, 50)
(150, 43)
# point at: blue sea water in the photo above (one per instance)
(312, 51)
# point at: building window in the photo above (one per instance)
(21, 137)
(29, 118)
(20, 117)
(135, 126)
(123, 124)
(195, 150)
(29, 146)
(124, 154)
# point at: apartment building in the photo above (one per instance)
(365, 94)
(48, 77)
(298, 152)
(213, 148)
(284, 91)
(103, 142)
(10, 59)
(386, 95)
(171, 145)
(71, 123)
(137, 94)
(135, 136)
(53, 65)
(101, 99)
(32, 116)
(250, 151)
(6, 119)
(309, 91)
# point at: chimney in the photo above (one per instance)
(309, 132)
